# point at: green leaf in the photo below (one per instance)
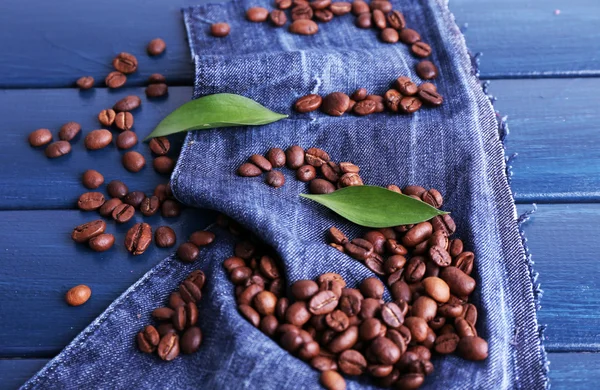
(376, 207)
(211, 111)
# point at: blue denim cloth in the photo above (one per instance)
(455, 148)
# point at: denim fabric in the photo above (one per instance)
(454, 148)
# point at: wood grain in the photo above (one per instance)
(571, 371)
(54, 43)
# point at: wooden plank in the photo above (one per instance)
(40, 262)
(53, 43)
(567, 370)
(57, 183)
(552, 131)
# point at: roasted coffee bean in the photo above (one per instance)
(128, 103)
(156, 47)
(320, 4)
(323, 302)
(425, 308)
(316, 157)
(306, 173)
(163, 313)
(92, 179)
(344, 340)
(304, 27)
(303, 290)
(138, 238)
(156, 78)
(202, 238)
(426, 70)
(372, 288)
(394, 263)
(444, 223)
(334, 104)
(473, 348)
(370, 308)
(418, 328)
(324, 363)
(40, 137)
(427, 87)
(124, 120)
(220, 30)
(350, 302)
(249, 293)
(340, 8)
(78, 295)
(352, 362)
(157, 90)
(337, 320)
(309, 350)
(295, 156)
(400, 290)
(276, 157)
(159, 145)
(85, 82)
(370, 329)
(431, 98)
(188, 252)
(69, 130)
(245, 249)
(189, 292)
(392, 315)
(98, 139)
(385, 351)
(337, 236)
(394, 248)
(348, 167)
(382, 5)
(117, 189)
(168, 348)
(437, 289)
(126, 140)
(249, 170)
(433, 198)
(415, 269)
(268, 267)
(359, 248)
(268, 325)
(417, 234)
(459, 282)
(377, 239)
(275, 179)
(107, 208)
(165, 328)
(291, 341)
(102, 242)
(115, 80)
(191, 340)
(323, 15)
(421, 49)
(396, 20)
(197, 277)
(261, 162)
(149, 206)
(283, 4)
(360, 7)
(392, 102)
(379, 19)
(409, 36)
(365, 107)
(360, 94)
(414, 190)
(164, 237)
(302, 11)
(125, 63)
(439, 256)
(464, 262)
(265, 302)
(133, 161)
(84, 232)
(134, 198)
(148, 339)
(350, 179)
(308, 103)
(364, 20)
(163, 164)
(297, 314)
(406, 87)
(332, 380)
(90, 201)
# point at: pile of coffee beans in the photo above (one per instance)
(405, 97)
(176, 329)
(352, 329)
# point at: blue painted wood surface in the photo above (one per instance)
(554, 129)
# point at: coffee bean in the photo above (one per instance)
(464, 328)
(439, 256)
(247, 295)
(447, 343)
(170, 209)
(40, 137)
(276, 157)
(197, 277)
(295, 156)
(148, 339)
(90, 201)
(320, 4)
(268, 267)
(85, 82)
(69, 130)
(268, 325)
(107, 117)
(444, 223)
(348, 167)
(261, 162)
(98, 139)
(392, 315)
(304, 27)
(335, 103)
(138, 238)
(190, 292)
(156, 47)
(283, 4)
(417, 234)
(165, 328)
(431, 98)
(396, 20)
(168, 347)
(188, 252)
(107, 208)
(191, 340)
(264, 303)
(352, 362)
(128, 103)
(164, 237)
(298, 314)
(117, 189)
(350, 179)
(459, 282)
(202, 238)
(385, 351)
(275, 179)
(344, 340)
(164, 313)
(92, 179)
(426, 70)
(150, 206)
(372, 288)
(337, 236)
(389, 35)
(316, 157)
(418, 328)
(115, 80)
(134, 198)
(124, 121)
(304, 289)
(159, 145)
(331, 380)
(323, 302)
(157, 90)
(126, 140)
(350, 301)
(84, 232)
(306, 173)
(382, 5)
(156, 78)
(257, 14)
(78, 295)
(340, 8)
(379, 19)
(406, 86)
(424, 307)
(133, 161)
(331, 171)
(409, 36)
(179, 318)
(302, 11)
(370, 329)
(163, 164)
(421, 49)
(58, 149)
(364, 20)
(360, 7)
(278, 17)
(464, 262)
(365, 107)
(392, 102)
(220, 30)
(437, 289)
(473, 348)
(125, 63)
(359, 248)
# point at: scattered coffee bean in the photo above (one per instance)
(163, 164)
(191, 340)
(473, 348)
(157, 90)
(306, 173)
(332, 380)
(257, 14)
(275, 179)
(107, 117)
(261, 162)
(421, 49)
(220, 29)
(107, 208)
(249, 170)
(40, 137)
(276, 157)
(125, 63)
(84, 232)
(85, 82)
(308, 103)
(138, 238)
(98, 139)
(431, 98)
(365, 107)
(283, 4)
(69, 130)
(278, 17)
(156, 78)
(115, 80)
(360, 7)
(117, 189)
(302, 11)
(148, 339)
(202, 238)
(409, 36)
(92, 179)
(389, 35)
(134, 198)
(122, 213)
(170, 209)
(150, 206)
(126, 140)
(410, 104)
(320, 186)
(78, 295)
(102, 242)
(156, 47)
(379, 19)
(426, 70)
(168, 348)
(396, 20)
(323, 15)
(364, 20)
(382, 5)
(159, 145)
(128, 103)
(133, 161)
(164, 237)
(90, 201)
(340, 8)
(304, 27)
(58, 149)
(124, 120)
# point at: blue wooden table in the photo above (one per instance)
(543, 58)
